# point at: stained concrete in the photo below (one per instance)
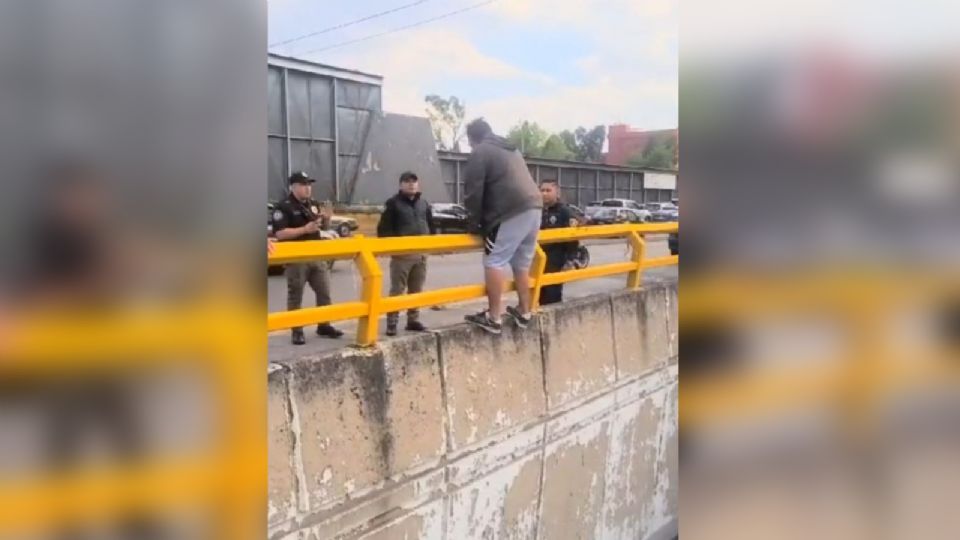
(447, 435)
(367, 415)
(492, 382)
(502, 504)
(656, 305)
(574, 483)
(629, 330)
(577, 349)
(673, 321)
(282, 482)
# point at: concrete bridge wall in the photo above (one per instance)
(564, 430)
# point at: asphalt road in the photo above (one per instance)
(445, 271)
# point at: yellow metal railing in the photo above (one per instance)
(373, 304)
(224, 480)
(876, 351)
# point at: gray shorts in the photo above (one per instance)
(513, 242)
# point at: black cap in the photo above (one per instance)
(300, 177)
(408, 176)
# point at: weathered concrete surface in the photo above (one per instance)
(673, 321)
(366, 416)
(574, 483)
(492, 382)
(425, 522)
(502, 504)
(632, 468)
(282, 482)
(656, 305)
(629, 330)
(448, 435)
(577, 349)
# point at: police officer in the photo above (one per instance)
(298, 218)
(562, 255)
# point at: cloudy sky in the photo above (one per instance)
(561, 63)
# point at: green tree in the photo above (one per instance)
(590, 143)
(570, 140)
(529, 137)
(555, 148)
(659, 154)
(446, 120)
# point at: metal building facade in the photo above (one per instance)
(317, 120)
(582, 183)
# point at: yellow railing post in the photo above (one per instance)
(635, 278)
(372, 287)
(539, 265)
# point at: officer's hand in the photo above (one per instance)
(326, 210)
(311, 227)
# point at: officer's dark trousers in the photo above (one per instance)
(407, 275)
(552, 294)
(298, 275)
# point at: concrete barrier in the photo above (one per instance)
(578, 353)
(564, 430)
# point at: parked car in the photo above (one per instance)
(343, 225)
(663, 211)
(609, 216)
(578, 214)
(627, 204)
(450, 218)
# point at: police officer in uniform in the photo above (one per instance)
(560, 256)
(299, 218)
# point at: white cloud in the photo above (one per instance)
(627, 71)
(413, 63)
(650, 104)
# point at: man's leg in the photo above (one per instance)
(399, 273)
(521, 277)
(493, 279)
(529, 225)
(497, 252)
(319, 278)
(295, 274)
(415, 280)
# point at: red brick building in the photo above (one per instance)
(624, 143)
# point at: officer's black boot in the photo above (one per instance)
(297, 337)
(327, 330)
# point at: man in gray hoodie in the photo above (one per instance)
(505, 205)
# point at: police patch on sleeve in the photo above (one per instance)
(314, 209)
(553, 220)
(277, 215)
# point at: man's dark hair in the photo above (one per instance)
(477, 130)
(408, 175)
(550, 181)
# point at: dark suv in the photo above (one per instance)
(450, 218)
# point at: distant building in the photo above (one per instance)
(624, 143)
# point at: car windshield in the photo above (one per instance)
(616, 204)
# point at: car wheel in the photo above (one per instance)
(343, 230)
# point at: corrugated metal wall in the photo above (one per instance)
(316, 123)
(580, 183)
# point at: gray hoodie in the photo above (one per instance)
(497, 184)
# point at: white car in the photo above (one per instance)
(643, 215)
